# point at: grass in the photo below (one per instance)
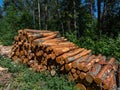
(25, 79)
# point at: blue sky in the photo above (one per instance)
(1, 2)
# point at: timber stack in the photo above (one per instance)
(47, 50)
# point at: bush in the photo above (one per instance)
(105, 45)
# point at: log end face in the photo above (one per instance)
(89, 78)
(80, 86)
(98, 81)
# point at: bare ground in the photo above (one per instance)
(5, 50)
(5, 76)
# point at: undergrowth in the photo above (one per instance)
(107, 46)
(24, 78)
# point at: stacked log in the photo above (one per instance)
(47, 50)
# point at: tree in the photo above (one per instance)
(110, 18)
(1, 11)
(99, 13)
(39, 13)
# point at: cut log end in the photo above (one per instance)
(53, 72)
(80, 86)
(98, 81)
(89, 78)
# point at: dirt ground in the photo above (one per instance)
(5, 78)
(5, 50)
(4, 74)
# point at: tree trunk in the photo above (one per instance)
(75, 26)
(99, 12)
(33, 14)
(46, 15)
(39, 14)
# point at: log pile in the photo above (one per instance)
(47, 50)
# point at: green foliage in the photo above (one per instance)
(71, 36)
(25, 79)
(12, 21)
(104, 45)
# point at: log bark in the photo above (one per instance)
(118, 76)
(32, 37)
(104, 71)
(108, 80)
(71, 53)
(73, 58)
(82, 63)
(90, 64)
(40, 40)
(67, 54)
(34, 31)
(83, 58)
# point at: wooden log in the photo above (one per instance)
(118, 76)
(31, 55)
(62, 50)
(75, 76)
(57, 46)
(11, 54)
(89, 88)
(25, 61)
(108, 80)
(40, 35)
(104, 72)
(16, 38)
(68, 54)
(52, 42)
(28, 32)
(80, 86)
(17, 53)
(112, 85)
(39, 53)
(68, 66)
(82, 62)
(40, 40)
(73, 70)
(92, 73)
(78, 72)
(20, 31)
(82, 75)
(91, 63)
(73, 58)
(83, 58)
(35, 31)
(56, 41)
(70, 77)
(102, 61)
(46, 46)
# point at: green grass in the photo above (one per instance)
(25, 79)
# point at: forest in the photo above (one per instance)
(90, 24)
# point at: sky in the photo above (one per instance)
(1, 2)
